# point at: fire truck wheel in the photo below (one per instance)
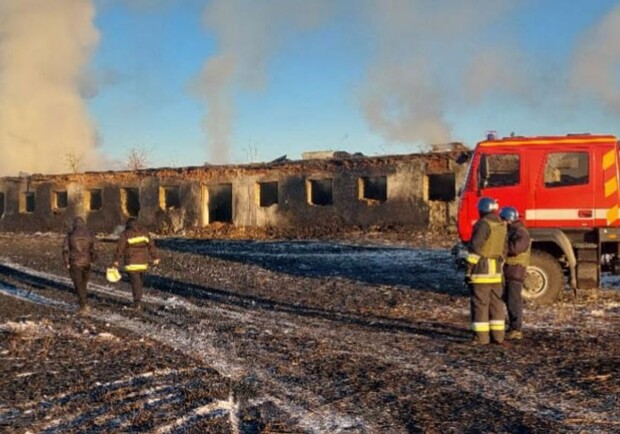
(544, 279)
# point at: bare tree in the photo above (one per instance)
(173, 162)
(138, 158)
(251, 152)
(73, 161)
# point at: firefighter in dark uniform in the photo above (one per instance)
(79, 251)
(137, 249)
(519, 251)
(485, 260)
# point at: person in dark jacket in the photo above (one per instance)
(487, 249)
(137, 250)
(519, 251)
(79, 251)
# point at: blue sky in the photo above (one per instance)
(307, 90)
(219, 81)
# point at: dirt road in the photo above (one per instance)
(309, 336)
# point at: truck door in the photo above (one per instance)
(501, 175)
(564, 190)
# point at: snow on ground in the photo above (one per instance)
(610, 281)
(421, 347)
(27, 295)
(196, 345)
(170, 302)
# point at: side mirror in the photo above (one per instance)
(483, 173)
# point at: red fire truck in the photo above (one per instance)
(566, 189)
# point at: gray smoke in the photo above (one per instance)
(405, 87)
(597, 61)
(248, 33)
(402, 105)
(498, 69)
(419, 47)
(136, 5)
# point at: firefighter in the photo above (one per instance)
(485, 259)
(79, 251)
(519, 250)
(137, 249)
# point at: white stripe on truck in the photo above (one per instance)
(564, 214)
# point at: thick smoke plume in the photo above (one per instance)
(400, 102)
(406, 84)
(44, 47)
(248, 33)
(422, 50)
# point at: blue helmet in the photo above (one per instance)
(509, 214)
(487, 205)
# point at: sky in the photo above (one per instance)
(188, 82)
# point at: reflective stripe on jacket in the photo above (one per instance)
(141, 239)
(487, 270)
(472, 258)
(487, 250)
(136, 248)
(136, 267)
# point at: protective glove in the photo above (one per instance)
(470, 269)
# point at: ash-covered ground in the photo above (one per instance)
(307, 336)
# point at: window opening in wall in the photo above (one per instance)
(61, 200)
(441, 187)
(130, 201)
(2, 204)
(95, 199)
(320, 191)
(220, 203)
(373, 188)
(27, 204)
(267, 193)
(170, 197)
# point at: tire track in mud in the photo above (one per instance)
(346, 338)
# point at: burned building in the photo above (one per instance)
(335, 191)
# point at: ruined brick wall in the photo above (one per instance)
(417, 190)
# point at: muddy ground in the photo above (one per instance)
(360, 335)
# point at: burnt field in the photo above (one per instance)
(307, 336)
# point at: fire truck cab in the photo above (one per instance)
(566, 189)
